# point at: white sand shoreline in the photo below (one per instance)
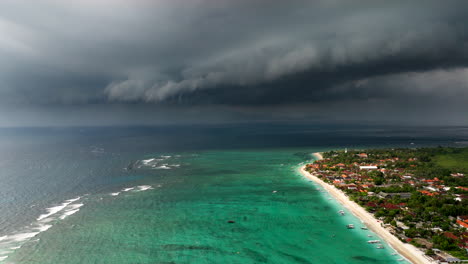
(411, 253)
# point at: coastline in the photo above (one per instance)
(317, 155)
(408, 251)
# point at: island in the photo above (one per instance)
(416, 199)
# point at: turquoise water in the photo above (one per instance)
(179, 208)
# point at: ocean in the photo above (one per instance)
(184, 194)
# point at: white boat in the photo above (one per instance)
(350, 226)
(364, 228)
(341, 212)
(373, 241)
(380, 246)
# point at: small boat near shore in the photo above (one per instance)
(341, 212)
(379, 246)
(364, 228)
(373, 241)
(350, 226)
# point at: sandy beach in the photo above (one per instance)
(413, 254)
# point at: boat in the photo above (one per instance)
(369, 235)
(401, 259)
(341, 212)
(364, 228)
(380, 246)
(373, 241)
(394, 254)
(350, 226)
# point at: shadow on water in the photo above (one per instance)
(176, 247)
(297, 259)
(366, 259)
(255, 255)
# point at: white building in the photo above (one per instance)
(368, 167)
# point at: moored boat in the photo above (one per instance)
(350, 226)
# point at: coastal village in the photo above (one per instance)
(416, 194)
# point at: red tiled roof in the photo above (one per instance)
(450, 235)
(460, 222)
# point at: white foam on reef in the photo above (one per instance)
(9, 243)
(73, 208)
(147, 161)
(53, 210)
(22, 237)
(156, 163)
(163, 167)
(68, 213)
(144, 187)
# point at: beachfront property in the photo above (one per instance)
(368, 167)
(419, 202)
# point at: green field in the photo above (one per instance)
(457, 160)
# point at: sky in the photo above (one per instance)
(141, 62)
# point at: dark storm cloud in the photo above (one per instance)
(251, 56)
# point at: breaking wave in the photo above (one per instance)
(138, 188)
(156, 163)
(11, 242)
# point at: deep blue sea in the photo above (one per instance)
(167, 194)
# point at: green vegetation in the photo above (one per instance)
(458, 159)
(422, 193)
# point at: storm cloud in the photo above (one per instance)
(259, 59)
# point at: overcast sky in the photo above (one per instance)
(112, 62)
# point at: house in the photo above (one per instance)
(431, 188)
(428, 193)
(368, 167)
(463, 221)
(460, 197)
(362, 155)
(404, 195)
(451, 235)
(390, 206)
(402, 225)
(384, 195)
